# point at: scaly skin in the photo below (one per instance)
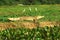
(26, 18)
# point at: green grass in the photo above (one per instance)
(46, 33)
(51, 12)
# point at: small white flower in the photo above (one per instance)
(29, 8)
(21, 4)
(23, 10)
(36, 9)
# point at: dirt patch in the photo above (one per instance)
(49, 24)
(30, 25)
(6, 25)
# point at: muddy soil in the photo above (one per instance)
(30, 25)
